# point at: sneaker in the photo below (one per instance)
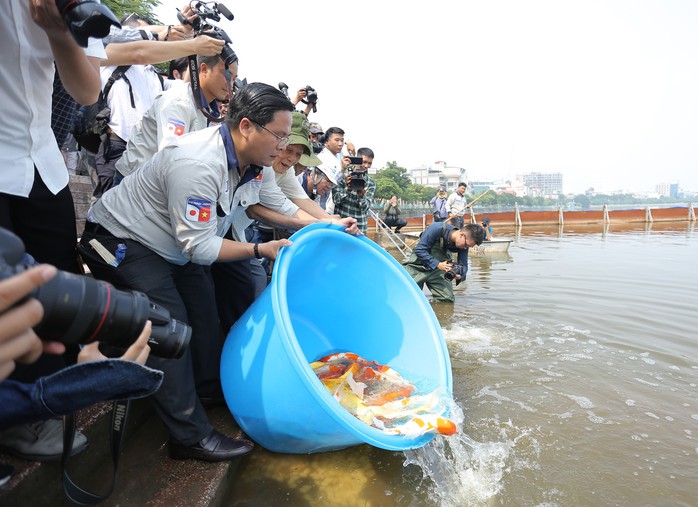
(40, 441)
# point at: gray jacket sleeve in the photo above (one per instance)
(191, 185)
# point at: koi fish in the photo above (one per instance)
(378, 395)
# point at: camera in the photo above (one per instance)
(87, 18)
(211, 11)
(80, 309)
(456, 269)
(357, 180)
(311, 97)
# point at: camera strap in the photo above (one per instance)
(118, 429)
(196, 90)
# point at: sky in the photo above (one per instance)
(603, 91)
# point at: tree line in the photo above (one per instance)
(394, 180)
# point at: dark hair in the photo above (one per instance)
(333, 130)
(210, 61)
(133, 18)
(463, 184)
(258, 102)
(366, 151)
(476, 232)
(178, 64)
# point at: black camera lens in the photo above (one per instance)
(228, 56)
(450, 275)
(169, 337)
(78, 309)
(357, 181)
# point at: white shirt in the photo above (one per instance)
(456, 204)
(289, 184)
(173, 114)
(26, 86)
(145, 85)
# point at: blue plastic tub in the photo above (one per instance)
(330, 292)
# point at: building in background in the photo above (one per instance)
(668, 189)
(542, 184)
(437, 174)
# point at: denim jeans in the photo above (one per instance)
(74, 388)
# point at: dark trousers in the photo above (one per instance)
(44, 222)
(109, 153)
(46, 225)
(186, 291)
(392, 221)
(237, 284)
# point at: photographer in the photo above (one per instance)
(302, 96)
(488, 228)
(431, 260)
(391, 210)
(175, 112)
(135, 84)
(35, 201)
(94, 379)
(354, 191)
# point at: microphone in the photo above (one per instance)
(224, 10)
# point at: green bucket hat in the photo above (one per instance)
(300, 134)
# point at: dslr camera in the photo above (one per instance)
(357, 180)
(80, 309)
(211, 11)
(311, 97)
(87, 18)
(456, 269)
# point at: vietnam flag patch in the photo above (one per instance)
(175, 126)
(198, 210)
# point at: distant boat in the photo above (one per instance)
(495, 245)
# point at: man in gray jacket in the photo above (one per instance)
(170, 218)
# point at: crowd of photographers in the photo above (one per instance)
(199, 179)
(188, 201)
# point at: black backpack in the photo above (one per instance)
(92, 122)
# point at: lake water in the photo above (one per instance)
(575, 364)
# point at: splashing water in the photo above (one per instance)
(458, 470)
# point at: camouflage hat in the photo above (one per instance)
(300, 135)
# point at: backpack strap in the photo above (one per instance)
(119, 73)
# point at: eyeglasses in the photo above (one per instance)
(321, 176)
(283, 141)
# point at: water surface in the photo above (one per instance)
(576, 368)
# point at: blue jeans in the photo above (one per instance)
(74, 388)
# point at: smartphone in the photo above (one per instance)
(356, 160)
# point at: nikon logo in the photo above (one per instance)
(119, 415)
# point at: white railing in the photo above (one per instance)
(394, 238)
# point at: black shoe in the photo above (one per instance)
(213, 402)
(215, 447)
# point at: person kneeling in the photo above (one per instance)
(431, 261)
